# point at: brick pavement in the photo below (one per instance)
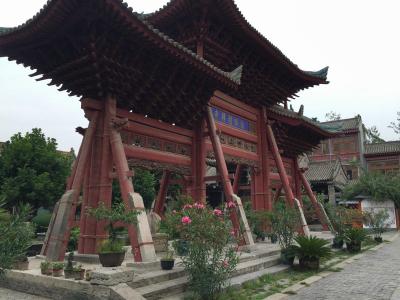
(375, 276)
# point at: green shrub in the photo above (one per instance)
(357, 235)
(311, 247)
(211, 256)
(285, 221)
(377, 221)
(117, 213)
(15, 237)
(42, 219)
(73, 239)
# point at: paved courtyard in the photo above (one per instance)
(6, 294)
(375, 276)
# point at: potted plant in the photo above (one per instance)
(57, 269)
(353, 238)
(309, 250)
(111, 251)
(69, 269)
(79, 272)
(45, 268)
(284, 222)
(377, 221)
(168, 261)
(273, 237)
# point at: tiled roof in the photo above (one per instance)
(344, 124)
(323, 171)
(295, 115)
(234, 76)
(382, 148)
(230, 7)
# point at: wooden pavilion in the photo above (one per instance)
(167, 90)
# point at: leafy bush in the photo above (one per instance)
(16, 235)
(311, 247)
(354, 237)
(341, 218)
(211, 256)
(285, 221)
(117, 213)
(73, 239)
(144, 183)
(42, 219)
(377, 221)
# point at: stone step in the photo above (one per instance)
(237, 281)
(158, 276)
(161, 289)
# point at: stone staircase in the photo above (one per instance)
(172, 284)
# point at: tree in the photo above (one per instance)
(373, 135)
(396, 125)
(333, 116)
(379, 186)
(32, 170)
(144, 183)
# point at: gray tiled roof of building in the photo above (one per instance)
(383, 148)
(323, 171)
(344, 124)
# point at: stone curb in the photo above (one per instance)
(308, 281)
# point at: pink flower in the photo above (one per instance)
(231, 204)
(186, 220)
(199, 205)
(232, 232)
(174, 211)
(217, 212)
(225, 264)
(187, 206)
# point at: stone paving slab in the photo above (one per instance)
(6, 294)
(374, 275)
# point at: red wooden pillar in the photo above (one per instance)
(221, 165)
(59, 230)
(281, 168)
(198, 192)
(236, 180)
(162, 193)
(297, 181)
(266, 168)
(314, 201)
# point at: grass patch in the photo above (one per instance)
(270, 284)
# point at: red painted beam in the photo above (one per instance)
(154, 155)
(279, 163)
(314, 201)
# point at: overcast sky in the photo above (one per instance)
(357, 39)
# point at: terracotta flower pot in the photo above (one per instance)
(111, 259)
(79, 275)
(57, 273)
(47, 272)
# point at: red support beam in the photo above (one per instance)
(221, 165)
(314, 201)
(54, 247)
(162, 193)
(278, 193)
(236, 179)
(281, 168)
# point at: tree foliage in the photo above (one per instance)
(373, 135)
(144, 183)
(32, 171)
(379, 186)
(396, 124)
(332, 116)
